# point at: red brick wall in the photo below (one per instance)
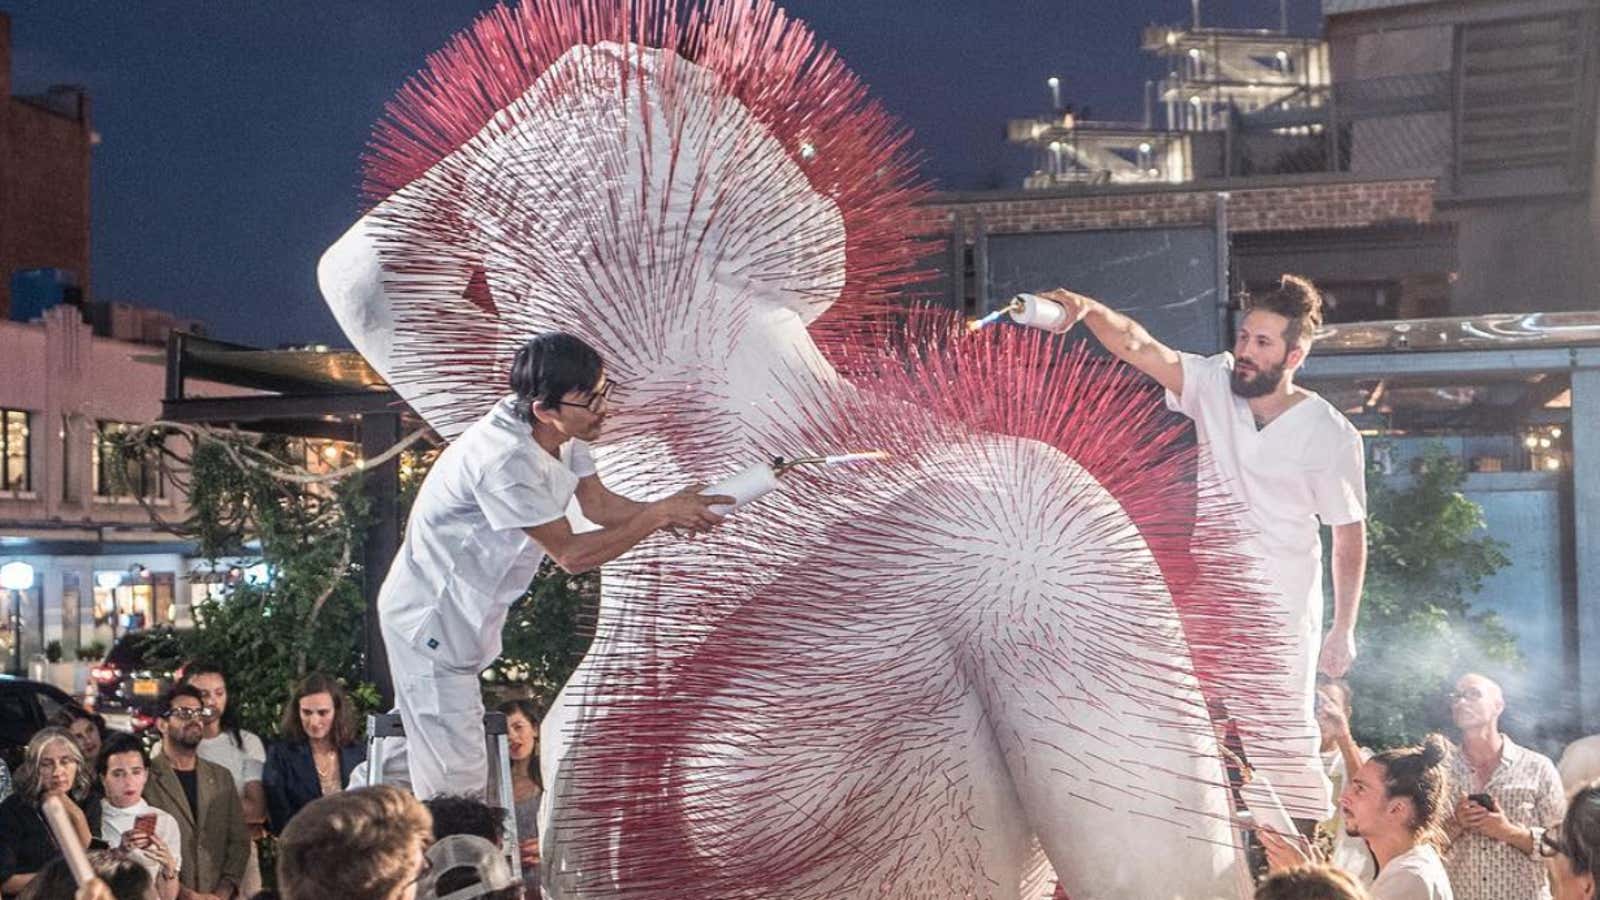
(1279, 207)
(44, 187)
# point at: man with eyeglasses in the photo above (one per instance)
(494, 505)
(215, 847)
(1505, 796)
(1572, 849)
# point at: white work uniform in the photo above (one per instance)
(1304, 466)
(464, 561)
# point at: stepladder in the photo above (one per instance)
(386, 765)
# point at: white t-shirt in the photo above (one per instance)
(243, 763)
(115, 820)
(465, 558)
(1417, 874)
(1306, 466)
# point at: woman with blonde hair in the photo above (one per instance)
(52, 766)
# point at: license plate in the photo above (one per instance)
(146, 687)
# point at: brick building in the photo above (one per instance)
(45, 142)
(74, 372)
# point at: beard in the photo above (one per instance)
(1262, 383)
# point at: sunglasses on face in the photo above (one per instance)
(191, 712)
(1554, 842)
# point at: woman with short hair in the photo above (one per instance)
(52, 766)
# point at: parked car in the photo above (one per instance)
(140, 668)
(25, 707)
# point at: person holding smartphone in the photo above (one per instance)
(126, 820)
(1506, 796)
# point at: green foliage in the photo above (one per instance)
(309, 613)
(547, 632)
(52, 652)
(92, 651)
(268, 635)
(1417, 628)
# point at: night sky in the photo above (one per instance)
(231, 133)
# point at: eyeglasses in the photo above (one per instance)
(1551, 844)
(190, 712)
(596, 402)
(1555, 842)
(1470, 694)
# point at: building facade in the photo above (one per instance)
(45, 143)
(74, 513)
(1441, 188)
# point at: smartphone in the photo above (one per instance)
(145, 824)
(1485, 801)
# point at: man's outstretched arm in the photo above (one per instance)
(688, 509)
(603, 506)
(1124, 338)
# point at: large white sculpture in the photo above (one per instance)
(896, 681)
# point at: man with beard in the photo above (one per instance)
(214, 846)
(493, 505)
(1396, 803)
(1286, 460)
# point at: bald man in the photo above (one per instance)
(1506, 796)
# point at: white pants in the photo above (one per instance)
(442, 710)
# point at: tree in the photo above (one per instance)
(1418, 629)
(247, 492)
(548, 631)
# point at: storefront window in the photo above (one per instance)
(16, 446)
(22, 631)
(71, 623)
(141, 600)
(120, 475)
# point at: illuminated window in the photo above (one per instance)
(16, 445)
(117, 474)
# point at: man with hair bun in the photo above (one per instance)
(1397, 802)
(1286, 461)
